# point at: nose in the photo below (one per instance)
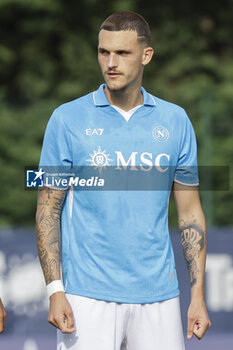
(112, 60)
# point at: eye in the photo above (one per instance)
(103, 51)
(123, 53)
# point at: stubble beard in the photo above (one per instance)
(116, 88)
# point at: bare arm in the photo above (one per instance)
(49, 208)
(193, 238)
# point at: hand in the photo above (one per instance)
(2, 317)
(198, 319)
(60, 313)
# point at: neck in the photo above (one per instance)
(124, 99)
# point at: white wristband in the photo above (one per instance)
(54, 287)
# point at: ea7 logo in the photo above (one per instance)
(91, 132)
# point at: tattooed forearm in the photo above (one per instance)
(48, 231)
(193, 240)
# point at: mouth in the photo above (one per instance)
(113, 74)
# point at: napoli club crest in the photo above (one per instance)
(160, 134)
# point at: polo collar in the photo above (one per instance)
(100, 99)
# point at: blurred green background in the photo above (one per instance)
(48, 56)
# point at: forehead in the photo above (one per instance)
(118, 40)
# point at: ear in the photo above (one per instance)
(147, 55)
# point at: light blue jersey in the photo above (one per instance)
(116, 244)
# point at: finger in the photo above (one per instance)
(61, 323)
(191, 323)
(198, 334)
(63, 326)
(53, 322)
(200, 329)
(70, 320)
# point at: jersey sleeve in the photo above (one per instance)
(186, 172)
(56, 154)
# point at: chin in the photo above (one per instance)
(115, 87)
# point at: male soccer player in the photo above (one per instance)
(2, 317)
(119, 286)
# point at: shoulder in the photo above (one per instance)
(170, 108)
(85, 101)
(68, 113)
(173, 116)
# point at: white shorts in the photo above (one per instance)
(104, 325)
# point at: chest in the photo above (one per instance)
(111, 140)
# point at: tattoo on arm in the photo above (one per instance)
(48, 231)
(193, 240)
